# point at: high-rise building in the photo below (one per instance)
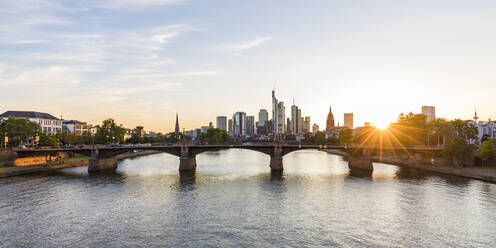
(281, 116)
(330, 121)
(221, 123)
(275, 113)
(239, 124)
(210, 125)
(176, 129)
(348, 120)
(250, 125)
(306, 124)
(315, 128)
(263, 116)
(300, 123)
(429, 112)
(278, 115)
(289, 126)
(230, 127)
(295, 119)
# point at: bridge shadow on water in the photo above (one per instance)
(187, 178)
(413, 174)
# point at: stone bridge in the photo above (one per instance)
(104, 157)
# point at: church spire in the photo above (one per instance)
(176, 130)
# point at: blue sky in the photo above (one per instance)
(141, 61)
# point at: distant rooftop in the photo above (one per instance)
(28, 114)
(73, 122)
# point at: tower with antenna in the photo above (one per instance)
(475, 116)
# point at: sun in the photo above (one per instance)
(382, 125)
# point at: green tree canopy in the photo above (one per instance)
(109, 132)
(19, 130)
(487, 150)
(215, 136)
(345, 136)
(48, 140)
(458, 148)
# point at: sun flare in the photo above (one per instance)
(382, 125)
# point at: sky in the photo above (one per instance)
(141, 61)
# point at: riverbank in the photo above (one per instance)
(82, 161)
(468, 172)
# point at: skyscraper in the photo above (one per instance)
(278, 115)
(429, 112)
(330, 121)
(239, 124)
(348, 120)
(306, 124)
(281, 116)
(221, 123)
(295, 119)
(230, 127)
(176, 129)
(263, 116)
(250, 125)
(289, 126)
(275, 113)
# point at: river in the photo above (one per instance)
(233, 200)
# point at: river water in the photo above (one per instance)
(233, 200)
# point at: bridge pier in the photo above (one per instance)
(276, 159)
(361, 162)
(187, 164)
(96, 163)
(187, 161)
(100, 164)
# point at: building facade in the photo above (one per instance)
(221, 122)
(315, 128)
(429, 112)
(487, 130)
(306, 125)
(49, 124)
(278, 115)
(348, 120)
(239, 124)
(295, 119)
(263, 116)
(230, 127)
(75, 127)
(250, 125)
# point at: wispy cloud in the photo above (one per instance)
(132, 4)
(241, 46)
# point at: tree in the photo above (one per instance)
(463, 129)
(442, 129)
(109, 132)
(458, 148)
(215, 136)
(49, 140)
(486, 150)
(410, 129)
(19, 130)
(135, 139)
(319, 137)
(345, 136)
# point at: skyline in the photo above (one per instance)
(141, 61)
